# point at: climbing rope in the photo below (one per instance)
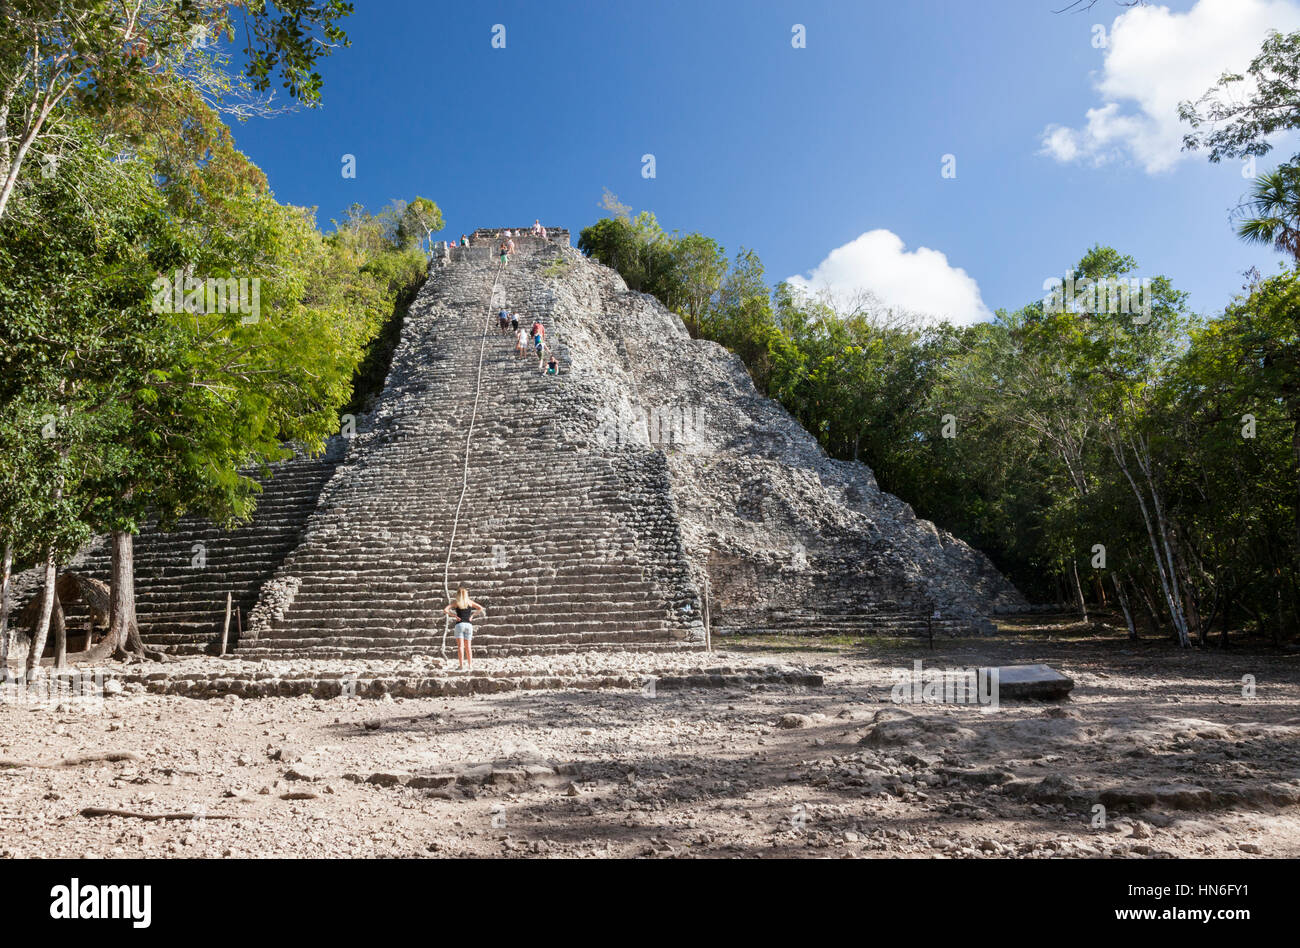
(469, 435)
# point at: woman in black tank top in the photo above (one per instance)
(462, 609)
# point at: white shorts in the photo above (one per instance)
(464, 631)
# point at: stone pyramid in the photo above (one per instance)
(646, 488)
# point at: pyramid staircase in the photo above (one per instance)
(182, 576)
(566, 547)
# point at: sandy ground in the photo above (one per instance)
(1185, 763)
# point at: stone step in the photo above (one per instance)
(293, 626)
(427, 641)
(377, 653)
(182, 607)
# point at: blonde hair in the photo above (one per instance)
(462, 598)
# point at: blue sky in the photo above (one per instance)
(797, 152)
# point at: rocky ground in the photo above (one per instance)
(1157, 753)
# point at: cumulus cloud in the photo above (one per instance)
(919, 281)
(1156, 59)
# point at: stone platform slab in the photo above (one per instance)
(1030, 683)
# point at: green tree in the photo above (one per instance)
(231, 385)
(699, 266)
(1272, 215)
(74, 263)
(1235, 125)
(1238, 387)
(168, 405)
(420, 220)
(102, 53)
(639, 250)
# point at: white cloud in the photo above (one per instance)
(1156, 59)
(920, 281)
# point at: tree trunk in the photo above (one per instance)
(42, 629)
(6, 570)
(1295, 551)
(1177, 601)
(59, 623)
(123, 639)
(1278, 621)
(121, 610)
(15, 164)
(1191, 606)
(51, 99)
(1078, 591)
(225, 628)
(1295, 456)
(1172, 599)
(1153, 614)
(1123, 604)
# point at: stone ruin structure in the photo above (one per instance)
(647, 489)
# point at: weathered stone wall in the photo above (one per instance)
(522, 236)
(789, 538)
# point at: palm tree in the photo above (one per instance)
(1274, 211)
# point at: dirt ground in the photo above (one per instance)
(1157, 753)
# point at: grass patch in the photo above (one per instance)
(558, 268)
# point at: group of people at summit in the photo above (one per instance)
(507, 243)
